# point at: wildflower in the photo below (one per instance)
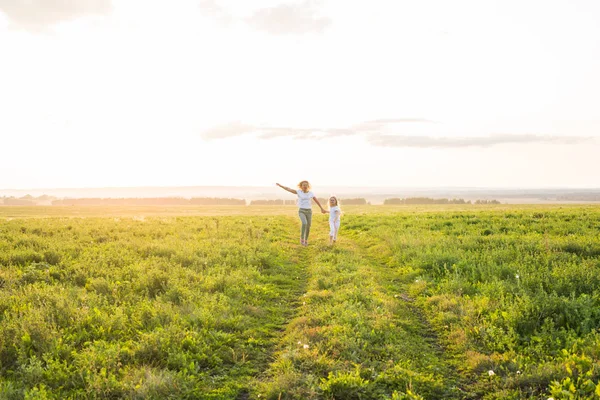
(517, 276)
(491, 373)
(518, 372)
(305, 346)
(299, 343)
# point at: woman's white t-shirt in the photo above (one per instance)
(334, 213)
(304, 199)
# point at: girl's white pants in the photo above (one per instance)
(334, 227)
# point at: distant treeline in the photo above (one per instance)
(579, 197)
(214, 201)
(424, 200)
(487, 202)
(27, 200)
(154, 201)
(160, 201)
(277, 202)
(324, 202)
(428, 200)
(11, 201)
(357, 201)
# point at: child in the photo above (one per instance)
(334, 219)
(304, 208)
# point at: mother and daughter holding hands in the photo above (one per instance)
(305, 211)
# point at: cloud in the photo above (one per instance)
(269, 132)
(376, 132)
(215, 10)
(289, 18)
(228, 130)
(302, 133)
(39, 15)
(210, 7)
(237, 128)
(385, 140)
(379, 124)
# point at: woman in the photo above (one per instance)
(304, 208)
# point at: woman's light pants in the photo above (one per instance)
(306, 218)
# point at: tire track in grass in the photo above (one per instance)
(291, 279)
(395, 283)
(278, 373)
(351, 337)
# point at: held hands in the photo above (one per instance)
(323, 211)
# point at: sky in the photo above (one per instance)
(384, 93)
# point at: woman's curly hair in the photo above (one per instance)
(300, 184)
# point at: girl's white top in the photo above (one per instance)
(304, 198)
(334, 213)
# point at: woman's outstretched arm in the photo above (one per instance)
(319, 204)
(288, 189)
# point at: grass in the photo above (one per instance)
(175, 308)
(20, 212)
(512, 292)
(356, 337)
(464, 302)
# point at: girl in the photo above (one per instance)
(304, 208)
(334, 219)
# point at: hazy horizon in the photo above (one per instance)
(131, 93)
(270, 192)
(440, 187)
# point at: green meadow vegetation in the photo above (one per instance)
(414, 302)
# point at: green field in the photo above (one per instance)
(433, 302)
